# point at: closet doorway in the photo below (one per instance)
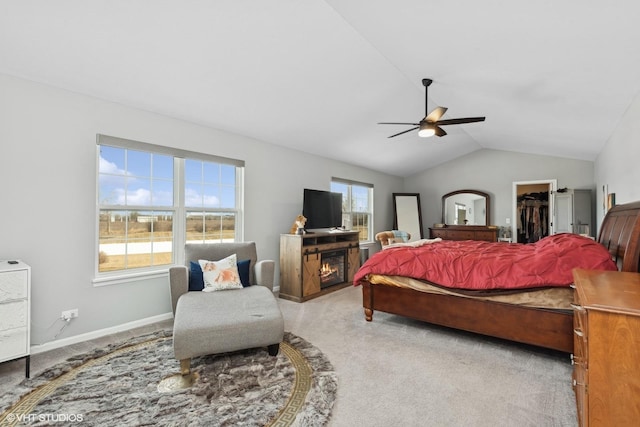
(533, 210)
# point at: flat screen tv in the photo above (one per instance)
(323, 209)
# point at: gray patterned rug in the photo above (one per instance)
(118, 386)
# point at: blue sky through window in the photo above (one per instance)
(130, 177)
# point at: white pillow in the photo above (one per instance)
(220, 275)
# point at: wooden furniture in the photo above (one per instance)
(386, 238)
(465, 232)
(304, 259)
(606, 359)
(15, 319)
(620, 234)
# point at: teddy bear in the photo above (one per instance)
(298, 224)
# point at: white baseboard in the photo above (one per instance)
(51, 345)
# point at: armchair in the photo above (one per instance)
(392, 236)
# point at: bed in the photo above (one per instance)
(545, 326)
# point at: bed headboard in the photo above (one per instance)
(620, 234)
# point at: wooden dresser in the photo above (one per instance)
(465, 232)
(606, 359)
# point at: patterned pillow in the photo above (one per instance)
(220, 275)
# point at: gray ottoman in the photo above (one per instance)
(223, 321)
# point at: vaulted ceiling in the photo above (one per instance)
(551, 77)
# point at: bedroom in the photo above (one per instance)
(48, 160)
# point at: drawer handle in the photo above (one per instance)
(577, 307)
(575, 360)
(576, 383)
(578, 332)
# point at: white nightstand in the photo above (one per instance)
(15, 312)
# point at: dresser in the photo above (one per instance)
(465, 232)
(15, 295)
(606, 359)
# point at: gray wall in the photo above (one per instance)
(494, 172)
(47, 217)
(617, 165)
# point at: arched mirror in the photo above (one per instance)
(407, 215)
(466, 207)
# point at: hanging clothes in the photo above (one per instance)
(533, 217)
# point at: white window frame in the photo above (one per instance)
(347, 214)
(178, 209)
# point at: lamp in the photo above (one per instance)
(426, 130)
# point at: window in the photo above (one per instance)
(357, 206)
(151, 200)
(210, 201)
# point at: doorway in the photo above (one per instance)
(533, 210)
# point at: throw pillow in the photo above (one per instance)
(196, 281)
(243, 270)
(220, 275)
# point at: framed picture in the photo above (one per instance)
(605, 195)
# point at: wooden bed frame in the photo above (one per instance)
(620, 234)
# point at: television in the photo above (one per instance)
(323, 209)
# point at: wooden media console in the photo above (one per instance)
(314, 264)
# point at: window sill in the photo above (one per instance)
(129, 277)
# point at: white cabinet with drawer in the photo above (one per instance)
(15, 311)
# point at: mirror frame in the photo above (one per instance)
(487, 217)
(409, 218)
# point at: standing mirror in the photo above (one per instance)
(407, 215)
(465, 207)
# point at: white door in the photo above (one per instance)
(563, 203)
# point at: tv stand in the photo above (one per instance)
(303, 274)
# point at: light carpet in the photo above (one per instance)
(118, 386)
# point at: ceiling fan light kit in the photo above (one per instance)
(426, 131)
(431, 123)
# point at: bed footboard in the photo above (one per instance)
(545, 328)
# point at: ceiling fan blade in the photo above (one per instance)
(394, 123)
(405, 131)
(460, 121)
(435, 115)
(439, 131)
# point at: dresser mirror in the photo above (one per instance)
(465, 207)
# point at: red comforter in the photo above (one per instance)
(484, 265)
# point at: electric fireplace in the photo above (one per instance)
(333, 268)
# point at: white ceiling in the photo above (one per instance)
(552, 77)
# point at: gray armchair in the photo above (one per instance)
(261, 272)
(225, 320)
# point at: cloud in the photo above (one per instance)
(109, 167)
(110, 174)
(193, 198)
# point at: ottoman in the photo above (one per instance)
(224, 321)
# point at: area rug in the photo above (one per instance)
(119, 386)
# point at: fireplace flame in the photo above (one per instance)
(327, 272)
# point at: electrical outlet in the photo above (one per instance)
(69, 314)
(508, 221)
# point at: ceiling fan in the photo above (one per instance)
(431, 123)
